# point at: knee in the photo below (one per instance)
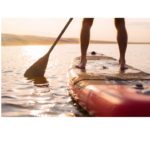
(87, 22)
(120, 23)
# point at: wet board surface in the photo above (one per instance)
(103, 85)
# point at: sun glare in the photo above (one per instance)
(34, 52)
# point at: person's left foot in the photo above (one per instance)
(80, 67)
(82, 64)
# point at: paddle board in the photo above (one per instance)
(103, 90)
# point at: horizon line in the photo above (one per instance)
(75, 38)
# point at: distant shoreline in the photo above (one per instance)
(19, 40)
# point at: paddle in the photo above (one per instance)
(39, 67)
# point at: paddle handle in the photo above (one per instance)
(61, 33)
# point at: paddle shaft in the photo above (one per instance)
(61, 33)
(39, 67)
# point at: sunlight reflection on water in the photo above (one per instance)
(34, 51)
(39, 97)
(49, 96)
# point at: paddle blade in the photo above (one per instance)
(38, 68)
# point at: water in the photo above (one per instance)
(49, 96)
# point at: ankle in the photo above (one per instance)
(122, 61)
(83, 60)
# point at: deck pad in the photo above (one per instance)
(102, 67)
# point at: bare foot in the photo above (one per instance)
(122, 65)
(81, 65)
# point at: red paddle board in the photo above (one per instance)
(103, 90)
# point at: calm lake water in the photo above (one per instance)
(23, 97)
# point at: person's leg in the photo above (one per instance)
(122, 39)
(84, 40)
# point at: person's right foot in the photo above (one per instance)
(122, 65)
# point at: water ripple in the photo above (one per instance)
(48, 96)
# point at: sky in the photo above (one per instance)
(102, 29)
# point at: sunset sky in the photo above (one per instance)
(103, 28)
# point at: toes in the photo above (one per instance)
(122, 68)
(80, 67)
